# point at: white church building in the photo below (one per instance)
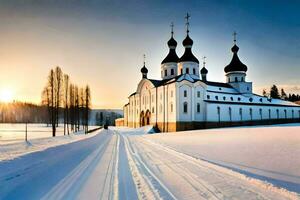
(185, 99)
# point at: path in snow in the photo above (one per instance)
(121, 164)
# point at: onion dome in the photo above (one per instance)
(187, 41)
(188, 55)
(144, 70)
(235, 64)
(203, 70)
(172, 56)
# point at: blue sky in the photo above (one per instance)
(102, 42)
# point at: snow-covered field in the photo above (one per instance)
(11, 133)
(124, 163)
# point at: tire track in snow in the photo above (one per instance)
(69, 187)
(144, 176)
(238, 182)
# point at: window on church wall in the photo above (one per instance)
(198, 94)
(185, 107)
(241, 113)
(277, 112)
(260, 113)
(250, 111)
(292, 113)
(198, 107)
(181, 71)
(219, 113)
(269, 113)
(184, 93)
(166, 72)
(236, 79)
(242, 79)
(285, 115)
(171, 107)
(187, 70)
(152, 109)
(172, 72)
(230, 113)
(194, 71)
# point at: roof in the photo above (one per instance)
(171, 57)
(188, 56)
(235, 64)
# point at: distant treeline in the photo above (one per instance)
(275, 94)
(22, 112)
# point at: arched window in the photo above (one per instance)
(187, 70)
(231, 98)
(260, 112)
(241, 113)
(216, 97)
(236, 79)
(230, 113)
(185, 107)
(181, 71)
(171, 93)
(171, 107)
(219, 113)
(250, 111)
(277, 112)
(185, 93)
(198, 107)
(285, 115)
(194, 71)
(166, 72)
(293, 114)
(208, 97)
(152, 109)
(269, 113)
(198, 94)
(242, 79)
(172, 71)
(224, 98)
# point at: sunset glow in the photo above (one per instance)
(6, 95)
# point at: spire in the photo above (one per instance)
(235, 64)
(187, 23)
(172, 31)
(144, 70)
(172, 44)
(188, 43)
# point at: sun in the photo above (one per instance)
(6, 95)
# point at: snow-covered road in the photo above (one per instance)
(122, 164)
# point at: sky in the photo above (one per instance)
(101, 43)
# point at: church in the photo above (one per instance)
(185, 99)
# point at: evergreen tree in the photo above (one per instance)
(274, 93)
(283, 94)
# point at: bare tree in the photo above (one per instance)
(66, 101)
(59, 83)
(51, 86)
(87, 107)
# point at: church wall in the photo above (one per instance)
(249, 112)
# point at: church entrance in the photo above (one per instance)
(142, 119)
(145, 118)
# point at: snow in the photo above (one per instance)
(267, 153)
(126, 163)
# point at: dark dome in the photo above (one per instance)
(203, 70)
(188, 56)
(172, 42)
(187, 41)
(144, 70)
(235, 64)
